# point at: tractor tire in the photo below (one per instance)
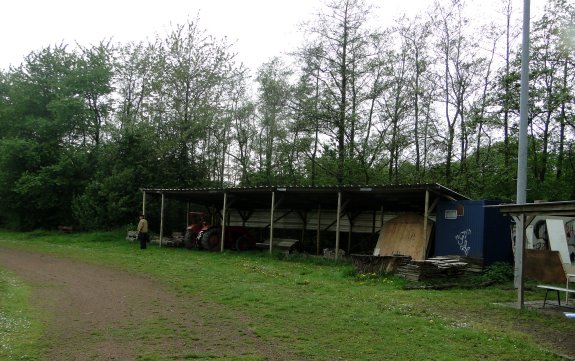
(243, 243)
(211, 239)
(188, 243)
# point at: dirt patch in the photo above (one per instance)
(98, 313)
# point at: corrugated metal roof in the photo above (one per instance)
(358, 198)
(561, 208)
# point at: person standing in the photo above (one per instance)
(143, 235)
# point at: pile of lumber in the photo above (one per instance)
(474, 265)
(330, 253)
(132, 236)
(363, 263)
(286, 245)
(177, 240)
(417, 270)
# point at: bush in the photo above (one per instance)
(500, 272)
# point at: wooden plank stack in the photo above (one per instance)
(377, 264)
(474, 265)
(417, 270)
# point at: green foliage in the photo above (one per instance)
(111, 198)
(84, 129)
(499, 272)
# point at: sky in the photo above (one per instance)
(259, 29)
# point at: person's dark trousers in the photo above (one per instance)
(143, 238)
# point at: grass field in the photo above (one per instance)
(323, 309)
(20, 328)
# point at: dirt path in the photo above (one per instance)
(98, 313)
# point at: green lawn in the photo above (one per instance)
(321, 308)
(20, 326)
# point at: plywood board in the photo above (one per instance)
(544, 266)
(558, 239)
(403, 235)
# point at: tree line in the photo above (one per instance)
(432, 97)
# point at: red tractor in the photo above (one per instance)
(202, 235)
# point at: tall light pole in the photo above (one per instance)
(522, 155)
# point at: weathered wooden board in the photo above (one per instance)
(403, 235)
(544, 266)
(558, 238)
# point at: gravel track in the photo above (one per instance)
(99, 313)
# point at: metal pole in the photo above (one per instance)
(522, 154)
(144, 203)
(162, 220)
(337, 225)
(223, 238)
(272, 220)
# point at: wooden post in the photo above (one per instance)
(337, 225)
(304, 227)
(520, 259)
(318, 229)
(349, 234)
(425, 215)
(272, 220)
(144, 203)
(223, 237)
(162, 220)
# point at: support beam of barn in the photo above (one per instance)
(224, 212)
(338, 215)
(272, 210)
(425, 221)
(162, 219)
(144, 203)
(317, 232)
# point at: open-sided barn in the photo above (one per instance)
(338, 209)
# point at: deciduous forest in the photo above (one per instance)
(430, 98)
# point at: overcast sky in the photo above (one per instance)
(260, 29)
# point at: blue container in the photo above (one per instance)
(469, 229)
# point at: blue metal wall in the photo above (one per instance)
(467, 228)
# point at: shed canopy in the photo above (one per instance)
(396, 198)
(524, 214)
(563, 208)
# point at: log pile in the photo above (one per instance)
(417, 270)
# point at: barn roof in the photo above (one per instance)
(398, 198)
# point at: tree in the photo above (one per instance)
(274, 95)
(343, 49)
(192, 72)
(459, 73)
(50, 134)
(552, 67)
(415, 35)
